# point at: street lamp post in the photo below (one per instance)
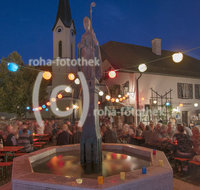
(142, 68)
(137, 91)
(137, 99)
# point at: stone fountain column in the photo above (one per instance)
(91, 147)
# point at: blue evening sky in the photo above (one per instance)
(26, 26)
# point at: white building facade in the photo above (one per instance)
(173, 89)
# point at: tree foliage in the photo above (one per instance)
(16, 88)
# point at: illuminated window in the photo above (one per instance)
(197, 91)
(185, 91)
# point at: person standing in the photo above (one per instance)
(109, 136)
(64, 137)
(11, 139)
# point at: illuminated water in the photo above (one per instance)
(68, 165)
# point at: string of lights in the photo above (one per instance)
(176, 57)
(47, 75)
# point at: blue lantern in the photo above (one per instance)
(167, 104)
(28, 108)
(13, 67)
(43, 106)
(47, 109)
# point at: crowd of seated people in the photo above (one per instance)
(180, 139)
(177, 139)
(20, 133)
(68, 134)
(12, 136)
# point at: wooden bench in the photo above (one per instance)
(4, 164)
(194, 163)
(181, 159)
(19, 154)
(8, 154)
(7, 186)
(38, 146)
(39, 143)
(45, 139)
(13, 155)
(194, 168)
(181, 164)
(2, 154)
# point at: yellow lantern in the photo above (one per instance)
(71, 76)
(113, 100)
(47, 75)
(48, 103)
(60, 96)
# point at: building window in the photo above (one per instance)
(125, 87)
(72, 53)
(197, 91)
(185, 91)
(60, 49)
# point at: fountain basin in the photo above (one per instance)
(157, 177)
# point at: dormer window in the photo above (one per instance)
(72, 32)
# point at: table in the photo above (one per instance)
(139, 140)
(39, 136)
(10, 150)
(41, 143)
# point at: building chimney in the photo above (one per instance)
(156, 46)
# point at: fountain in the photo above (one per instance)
(59, 168)
(79, 166)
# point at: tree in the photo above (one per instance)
(16, 88)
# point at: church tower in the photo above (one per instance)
(64, 37)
